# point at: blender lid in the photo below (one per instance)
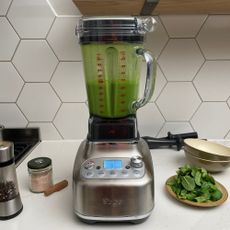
(122, 27)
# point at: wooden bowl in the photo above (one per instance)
(208, 204)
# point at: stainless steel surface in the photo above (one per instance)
(136, 162)
(113, 219)
(11, 207)
(6, 151)
(94, 168)
(24, 139)
(104, 25)
(10, 202)
(113, 198)
(150, 79)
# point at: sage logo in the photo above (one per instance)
(112, 202)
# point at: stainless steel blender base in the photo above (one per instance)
(102, 194)
(130, 219)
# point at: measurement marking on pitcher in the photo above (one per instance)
(101, 82)
(122, 82)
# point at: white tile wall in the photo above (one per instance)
(38, 102)
(209, 119)
(210, 84)
(183, 26)
(8, 40)
(178, 101)
(42, 83)
(63, 7)
(31, 19)
(11, 116)
(175, 127)
(66, 81)
(35, 61)
(11, 82)
(175, 56)
(214, 37)
(63, 40)
(4, 5)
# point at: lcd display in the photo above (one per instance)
(112, 164)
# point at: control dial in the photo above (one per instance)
(136, 162)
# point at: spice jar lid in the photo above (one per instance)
(39, 163)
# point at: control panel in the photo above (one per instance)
(113, 168)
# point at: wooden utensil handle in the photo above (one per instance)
(57, 187)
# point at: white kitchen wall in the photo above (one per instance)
(42, 81)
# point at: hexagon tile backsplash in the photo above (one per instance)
(42, 80)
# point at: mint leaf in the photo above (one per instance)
(216, 195)
(198, 178)
(194, 184)
(188, 183)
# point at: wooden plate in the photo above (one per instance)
(200, 204)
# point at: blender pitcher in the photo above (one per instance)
(112, 49)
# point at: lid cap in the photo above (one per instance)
(39, 163)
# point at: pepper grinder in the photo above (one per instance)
(10, 201)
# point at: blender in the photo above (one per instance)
(113, 178)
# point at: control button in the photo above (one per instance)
(113, 173)
(136, 162)
(101, 173)
(89, 174)
(127, 166)
(89, 165)
(136, 173)
(98, 167)
(124, 173)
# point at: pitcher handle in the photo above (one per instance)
(150, 79)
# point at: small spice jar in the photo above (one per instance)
(40, 174)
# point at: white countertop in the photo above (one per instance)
(55, 211)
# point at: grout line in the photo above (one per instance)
(57, 111)
(161, 128)
(9, 7)
(201, 99)
(195, 111)
(201, 51)
(199, 69)
(13, 27)
(54, 71)
(59, 132)
(160, 111)
(79, 61)
(202, 25)
(220, 59)
(16, 49)
(162, 50)
(55, 92)
(163, 25)
(51, 26)
(192, 127)
(22, 113)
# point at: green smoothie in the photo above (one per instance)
(112, 78)
(114, 100)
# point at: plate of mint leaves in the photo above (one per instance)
(195, 186)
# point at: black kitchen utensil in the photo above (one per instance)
(170, 141)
